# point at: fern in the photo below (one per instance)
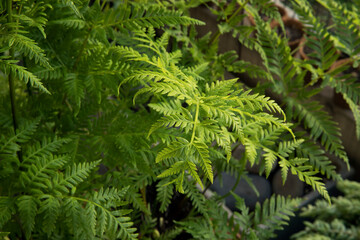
(272, 214)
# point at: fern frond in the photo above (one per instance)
(28, 208)
(50, 207)
(317, 158)
(7, 209)
(73, 176)
(196, 197)
(72, 5)
(181, 121)
(69, 22)
(23, 134)
(202, 156)
(320, 124)
(346, 29)
(167, 108)
(39, 170)
(164, 194)
(140, 16)
(305, 173)
(319, 40)
(272, 214)
(175, 149)
(46, 147)
(29, 48)
(21, 73)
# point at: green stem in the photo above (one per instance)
(11, 76)
(217, 34)
(195, 121)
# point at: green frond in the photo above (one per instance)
(257, 102)
(167, 108)
(319, 40)
(164, 194)
(50, 207)
(109, 194)
(39, 170)
(72, 5)
(278, 54)
(23, 134)
(270, 159)
(21, 73)
(73, 176)
(220, 87)
(28, 208)
(49, 74)
(7, 209)
(346, 27)
(173, 150)
(196, 197)
(202, 156)
(318, 159)
(320, 124)
(75, 87)
(176, 120)
(175, 168)
(305, 173)
(69, 22)
(142, 16)
(46, 147)
(272, 214)
(137, 201)
(29, 48)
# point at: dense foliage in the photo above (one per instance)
(114, 114)
(337, 221)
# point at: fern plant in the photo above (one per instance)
(336, 221)
(114, 112)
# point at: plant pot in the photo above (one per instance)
(294, 31)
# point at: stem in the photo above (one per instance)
(11, 81)
(217, 34)
(195, 121)
(11, 77)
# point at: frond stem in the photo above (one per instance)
(217, 34)
(195, 121)
(10, 77)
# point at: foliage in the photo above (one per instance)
(337, 221)
(114, 114)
